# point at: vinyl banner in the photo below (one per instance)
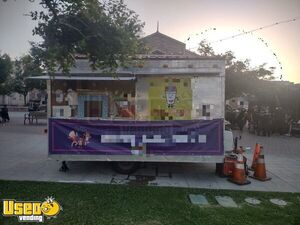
(103, 137)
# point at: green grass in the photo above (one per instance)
(120, 204)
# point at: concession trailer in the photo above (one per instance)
(164, 108)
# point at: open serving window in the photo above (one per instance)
(98, 99)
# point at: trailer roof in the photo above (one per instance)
(145, 67)
(47, 77)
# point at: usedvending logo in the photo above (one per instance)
(31, 211)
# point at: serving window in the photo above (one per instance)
(93, 99)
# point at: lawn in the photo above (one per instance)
(121, 204)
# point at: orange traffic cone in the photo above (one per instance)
(256, 153)
(239, 175)
(260, 169)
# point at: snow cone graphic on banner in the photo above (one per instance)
(79, 141)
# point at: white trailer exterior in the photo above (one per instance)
(196, 83)
(207, 78)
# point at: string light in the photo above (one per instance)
(260, 39)
(243, 32)
(260, 28)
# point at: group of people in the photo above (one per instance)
(261, 120)
(4, 116)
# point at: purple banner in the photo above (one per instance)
(102, 137)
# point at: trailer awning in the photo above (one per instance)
(47, 77)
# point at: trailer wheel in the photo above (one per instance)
(125, 167)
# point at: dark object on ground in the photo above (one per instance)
(64, 167)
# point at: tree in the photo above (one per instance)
(205, 49)
(265, 74)
(107, 33)
(229, 58)
(26, 67)
(239, 66)
(5, 71)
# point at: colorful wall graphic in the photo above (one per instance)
(170, 98)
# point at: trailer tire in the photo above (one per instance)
(125, 167)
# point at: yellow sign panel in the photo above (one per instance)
(31, 211)
(170, 98)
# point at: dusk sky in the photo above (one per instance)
(182, 19)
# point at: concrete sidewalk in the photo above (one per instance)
(23, 156)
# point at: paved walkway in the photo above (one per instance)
(23, 156)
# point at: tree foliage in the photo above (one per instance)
(259, 82)
(205, 49)
(107, 33)
(5, 71)
(26, 67)
(5, 67)
(266, 74)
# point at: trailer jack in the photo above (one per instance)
(64, 167)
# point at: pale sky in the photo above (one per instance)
(181, 19)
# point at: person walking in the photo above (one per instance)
(4, 114)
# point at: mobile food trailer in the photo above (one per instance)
(164, 109)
